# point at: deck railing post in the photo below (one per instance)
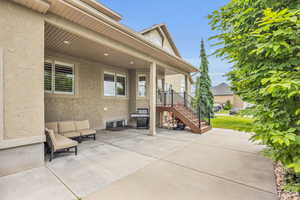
(209, 118)
(172, 97)
(199, 116)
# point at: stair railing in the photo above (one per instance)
(172, 98)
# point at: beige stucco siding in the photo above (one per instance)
(223, 99)
(167, 46)
(88, 102)
(235, 100)
(22, 40)
(238, 102)
(155, 37)
(177, 81)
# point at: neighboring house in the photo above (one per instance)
(74, 60)
(222, 93)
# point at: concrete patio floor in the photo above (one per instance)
(129, 164)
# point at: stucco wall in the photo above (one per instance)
(223, 99)
(238, 102)
(22, 39)
(154, 37)
(88, 101)
(235, 100)
(176, 81)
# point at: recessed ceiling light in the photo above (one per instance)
(67, 42)
(106, 54)
(131, 62)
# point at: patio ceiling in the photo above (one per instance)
(61, 41)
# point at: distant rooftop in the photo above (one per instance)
(222, 89)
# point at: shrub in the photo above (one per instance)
(261, 39)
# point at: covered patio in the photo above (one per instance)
(81, 70)
(129, 164)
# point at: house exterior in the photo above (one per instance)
(222, 93)
(160, 35)
(74, 60)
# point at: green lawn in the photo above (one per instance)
(223, 112)
(232, 122)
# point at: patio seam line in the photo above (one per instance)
(202, 172)
(182, 140)
(230, 149)
(60, 180)
(219, 177)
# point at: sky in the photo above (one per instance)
(186, 21)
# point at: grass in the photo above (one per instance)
(223, 112)
(232, 122)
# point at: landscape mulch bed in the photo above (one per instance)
(283, 195)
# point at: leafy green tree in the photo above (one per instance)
(262, 40)
(204, 96)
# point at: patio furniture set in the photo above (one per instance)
(64, 136)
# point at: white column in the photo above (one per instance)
(152, 98)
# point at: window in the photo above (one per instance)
(109, 84)
(121, 85)
(142, 85)
(59, 77)
(64, 78)
(182, 86)
(114, 84)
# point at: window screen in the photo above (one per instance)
(109, 84)
(64, 78)
(48, 76)
(121, 85)
(142, 86)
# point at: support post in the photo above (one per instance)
(184, 98)
(172, 97)
(186, 85)
(152, 98)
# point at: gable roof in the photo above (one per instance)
(163, 30)
(222, 89)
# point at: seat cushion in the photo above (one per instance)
(82, 125)
(52, 126)
(87, 132)
(66, 126)
(63, 143)
(71, 134)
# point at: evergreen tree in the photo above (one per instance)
(204, 96)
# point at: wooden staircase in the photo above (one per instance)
(187, 117)
(183, 107)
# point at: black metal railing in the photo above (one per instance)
(172, 98)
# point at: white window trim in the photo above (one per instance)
(53, 91)
(138, 79)
(124, 76)
(115, 79)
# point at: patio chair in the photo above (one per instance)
(83, 127)
(59, 144)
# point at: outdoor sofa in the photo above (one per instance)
(73, 129)
(61, 136)
(58, 143)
